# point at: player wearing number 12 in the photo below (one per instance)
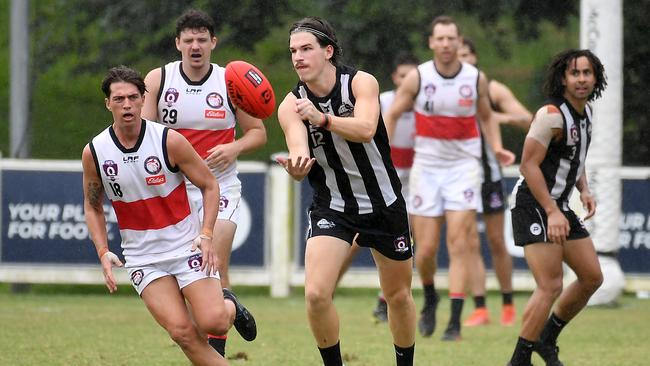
(190, 96)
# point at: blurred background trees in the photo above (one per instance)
(74, 42)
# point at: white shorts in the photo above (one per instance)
(228, 202)
(186, 270)
(432, 191)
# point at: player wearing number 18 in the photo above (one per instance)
(191, 97)
(142, 167)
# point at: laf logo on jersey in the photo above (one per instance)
(130, 159)
(193, 91)
(401, 244)
(212, 114)
(156, 180)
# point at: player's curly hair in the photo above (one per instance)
(323, 31)
(553, 86)
(122, 74)
(194, 19)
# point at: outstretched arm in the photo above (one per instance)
(299, 162)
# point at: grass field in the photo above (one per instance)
(83, 325)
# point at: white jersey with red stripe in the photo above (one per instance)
(199, 110)
(403, 140)
(147, 194)
(446, 128)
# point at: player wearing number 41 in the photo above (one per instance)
(190, 96)
(552, 163)
(336, 137)
(142, 167)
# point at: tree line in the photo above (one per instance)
(74, 42)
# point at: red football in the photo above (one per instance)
(249, 89)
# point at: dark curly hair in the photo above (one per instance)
(194, 19)
(553, 86)
(323, 31)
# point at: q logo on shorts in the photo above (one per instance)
(535, 229)
(401, 245)
(195, 261)
(137, 276)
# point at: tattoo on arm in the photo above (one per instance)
(95, 194)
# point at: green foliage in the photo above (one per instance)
(74, 42)
(81, 325)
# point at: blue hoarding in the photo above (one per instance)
(43, 220)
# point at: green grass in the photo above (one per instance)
(83, 325)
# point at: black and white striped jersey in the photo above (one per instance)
(349, 177)
(565, 159)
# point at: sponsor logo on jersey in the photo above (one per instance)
(401, 244)
(535, 229)
(137, 276)
(465, 91)
(214, 100)
(254, 78)
(465, 102)
(429, 90)
(171, 96)
(130, 159)
(346, 110)
(110, 169)
(193, 91)
(152, 165)
(194, 262)
(325, 224)
(575, 136)
(223, 203)
(212, 114)
(156, 180)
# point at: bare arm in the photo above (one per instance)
(182, 154)
(254, 137)
(95, 219)
(512, 111)
(295, 133)
(489, 125)
(152, 83)
(404, 100)
(587, 199)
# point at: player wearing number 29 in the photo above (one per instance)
(142, 167)
(190, 96)
(336, 137)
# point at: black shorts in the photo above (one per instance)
(386, 230)
(530, 223)
(493, 198)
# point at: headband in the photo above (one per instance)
(315, 32)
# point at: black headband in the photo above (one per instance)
(315, 32)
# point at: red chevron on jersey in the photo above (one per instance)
(153, 213)
(446, 128)
(204, 140)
